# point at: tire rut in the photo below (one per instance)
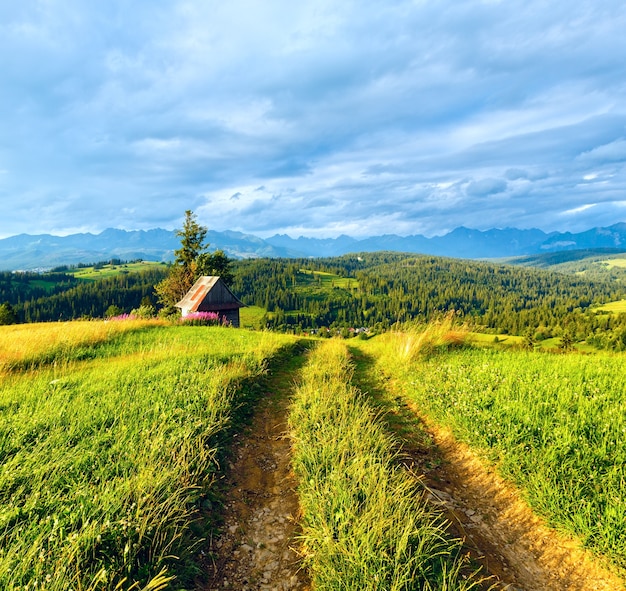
(515, 547)
(258, 545)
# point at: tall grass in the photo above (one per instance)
(424, 339)
(27, 345)
(365, 526)
(554, 424)
(106, 464)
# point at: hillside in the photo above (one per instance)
(608, 264)
(367, 290)
(157, 457)
(379, 289)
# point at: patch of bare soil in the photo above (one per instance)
(499, 529)
(258, 548)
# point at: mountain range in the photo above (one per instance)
(43, 251)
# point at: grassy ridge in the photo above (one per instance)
(365, 525)
(105, 464)
(554, 424)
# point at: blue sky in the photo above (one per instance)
(312, 118)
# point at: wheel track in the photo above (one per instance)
(258, 546)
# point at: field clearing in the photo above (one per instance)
(617, 262)
(618, 307)
(504, 340)
(107, 463)
(250, 316)
(555, 425)
(329, 279)
(104, 271)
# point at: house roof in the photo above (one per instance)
(209, 294)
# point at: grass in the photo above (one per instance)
(365, 524)
(553, 424)
(250, 316)
(104, 271)
(326, 279)
(618, 307)
(27, 345)
(106, 464)
(616, 262)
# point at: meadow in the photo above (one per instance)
(101, 271)
(366, 525)
(111, 436)
(555, 425)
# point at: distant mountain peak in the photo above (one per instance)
(26, 251)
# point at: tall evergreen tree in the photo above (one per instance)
(192, 245)
(191, 262)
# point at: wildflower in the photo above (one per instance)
(201, 319)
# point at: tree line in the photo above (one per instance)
(374, 290)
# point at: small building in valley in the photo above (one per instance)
(210, 294)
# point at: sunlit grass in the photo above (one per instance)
(104, 271)
(366, 525)
(617, 307)
(107, 463)
(24, 344)
(331, 280)
(250, 316)
(617, 262)
(553, 424)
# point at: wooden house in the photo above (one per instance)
(211, 294)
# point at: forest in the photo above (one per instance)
(373, 290)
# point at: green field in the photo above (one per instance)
(555, 425)
(113, 436)
(102, 271)
(307, 277)
(109, 450)
(618, 307)
(250, 316)
(616, 262)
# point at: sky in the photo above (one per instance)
(313, 118)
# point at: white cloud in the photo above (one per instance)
(312, 117)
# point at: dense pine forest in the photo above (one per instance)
(373, 290)
(61, 296)
(381, 289)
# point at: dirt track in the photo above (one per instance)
(258, 547)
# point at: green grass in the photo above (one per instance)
(107, 464)
(618, 307)
(326, 280)
(616, 262)
(553, 424)
(250, 316)
(93, 273)
(365, 524)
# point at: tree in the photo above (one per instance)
(191, 262)
(174, 287)
(7, 314)
(192, 237)
(215, 264)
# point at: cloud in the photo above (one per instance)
(486, 187)
(312, 117)
(608, 153)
